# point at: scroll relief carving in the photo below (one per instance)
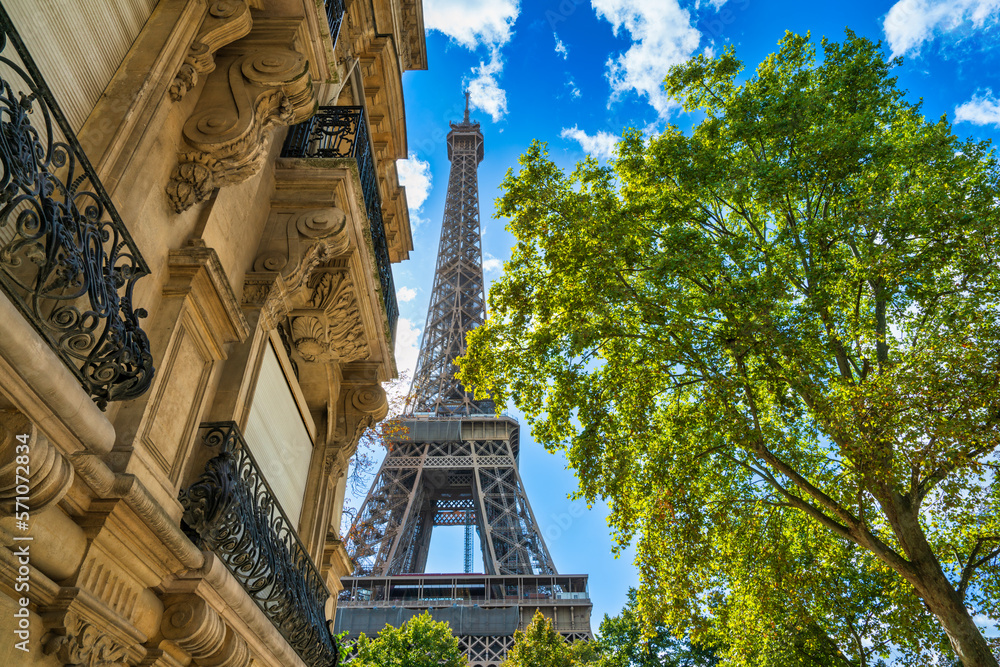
(328, 326)
(242, 101)
(363, 408)
(198, 629)
(226, 22)
(51, 475)
(80, 643)
(296, 245)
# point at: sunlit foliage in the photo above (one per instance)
(772, 345)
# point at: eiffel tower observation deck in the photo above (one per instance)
(455, 463)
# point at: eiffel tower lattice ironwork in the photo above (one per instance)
(454, 462)
(457, 303)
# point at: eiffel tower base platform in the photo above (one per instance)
(483, 611)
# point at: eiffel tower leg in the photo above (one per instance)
(514, 539)
(422, 543)
(376, 532)
(402, 555)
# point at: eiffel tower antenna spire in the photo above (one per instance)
(457, 303)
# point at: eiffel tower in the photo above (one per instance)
(455, 463)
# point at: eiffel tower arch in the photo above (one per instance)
(454, 462)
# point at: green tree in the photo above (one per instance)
(622, 643)
(788, 315)
(420, 642)
(541, 646)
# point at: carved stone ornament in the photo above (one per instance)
(243, 99)
(364, 406)
(51, 475)
(296, 244)
(310, 237)
(79, 643)
(328, 326)
(371, 400)
(198, 629)
(226, 22)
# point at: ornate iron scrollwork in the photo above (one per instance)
(232, 511)
(66, 259)
(343, 132)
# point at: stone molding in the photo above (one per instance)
(227, 135)
(335, 562)
(50, 474)
(44, 389)
(226, 21)
(193, 625)
(359, 407)
(308, 237)
(197, 269)
(213, 583)
(109, 484)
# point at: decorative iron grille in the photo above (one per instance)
(232, 511)
(343, 132)
(334, 17)
(66, 260)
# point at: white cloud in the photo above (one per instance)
(662, 35)
(600, 145)
(491, 264)
(405, 294)
(407, 351)
(980, 110)
(560, 47)
(573, 90)
(484, 90)
(472, 23)
(475, 23)
(415, 175)
(910, 23)
(417, 220)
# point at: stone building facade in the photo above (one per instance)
(196, 314)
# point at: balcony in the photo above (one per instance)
(231, 511)
(334, 17)
(66, 259)
(342, 132)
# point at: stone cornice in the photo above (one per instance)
(196, 267)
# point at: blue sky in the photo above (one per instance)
(575, 73)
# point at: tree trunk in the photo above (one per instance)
(930, 583)
(966, 639)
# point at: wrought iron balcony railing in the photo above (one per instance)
(334, 16)
(232, 511)
(343, 132)
(66, 260)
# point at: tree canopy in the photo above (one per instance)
(772, 345)
(623, 642)
(420, 642)
(539, 645)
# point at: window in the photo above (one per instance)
(277, 437)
